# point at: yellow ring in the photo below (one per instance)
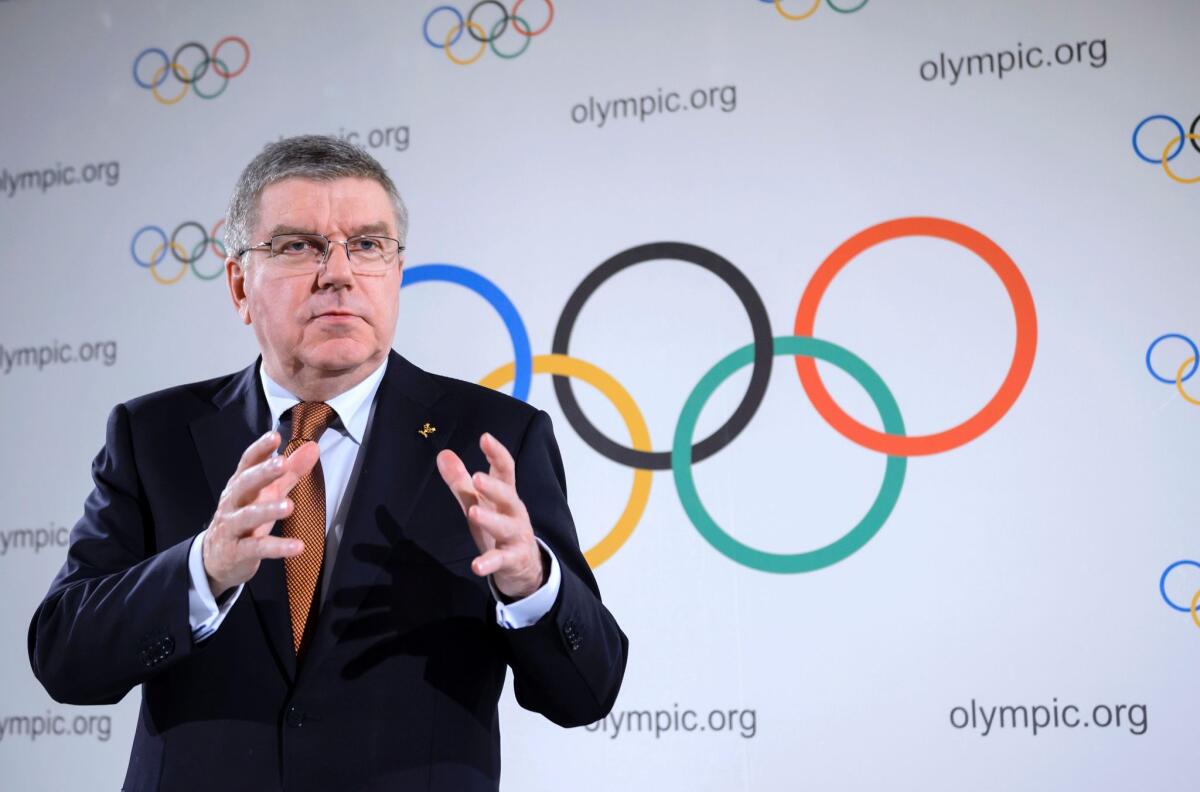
(155, 83)
(1195, 602)
(639, 435)
(1167, 167)
(1179, 383)
(158, 254)
(452, 32)
(796, 17)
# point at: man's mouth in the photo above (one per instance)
(336, 316)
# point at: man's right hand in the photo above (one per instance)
(255, 497)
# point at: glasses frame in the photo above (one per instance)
(345, 243)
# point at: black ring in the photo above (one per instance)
(760, 376)
(175, 233)
(200, 70)
(1192, 131)
(503, 22)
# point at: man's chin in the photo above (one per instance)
(341, 355)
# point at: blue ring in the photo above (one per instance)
(1162, 584)
(461, 26)
(1181, 337)
(133, 245)
(522, 353)
(138, 59)
(1148, 119)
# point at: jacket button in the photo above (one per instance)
(294, 718)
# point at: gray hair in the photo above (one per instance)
(318, 157)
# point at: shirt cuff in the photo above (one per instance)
(205, 614)
(526, 612)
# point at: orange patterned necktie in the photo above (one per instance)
(307, 521)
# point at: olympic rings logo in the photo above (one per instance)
(1162, 589)
(793, 16)
(190, 77)
(759, 355)
(186, 251)
(1174, 145)
(485, 35)
(1183, 372)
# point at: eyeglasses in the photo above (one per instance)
(368, 254)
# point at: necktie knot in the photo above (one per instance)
(309, 420)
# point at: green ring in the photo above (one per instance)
(196, 83)
(492, 38)
(198, 253)
(846, 10)
(839, 549)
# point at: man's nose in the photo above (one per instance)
(337, 270)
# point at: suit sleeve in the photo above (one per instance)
(117, 612)
(569, 665)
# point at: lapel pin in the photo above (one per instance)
(427, 430)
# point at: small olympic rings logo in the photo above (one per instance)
(189, 74)
(1191, 608)
(1183, 372)
(759, 355)
(795, 16)
(187, 244)
(484, 34)
(1173, 147)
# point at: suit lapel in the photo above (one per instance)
(242, 417)
(398, 461)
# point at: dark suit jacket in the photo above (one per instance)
(398, 687)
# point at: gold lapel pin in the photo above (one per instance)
(427, 430)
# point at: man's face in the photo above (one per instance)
(327, 324)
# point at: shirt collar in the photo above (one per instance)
(353, 407)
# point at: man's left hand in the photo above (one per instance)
(497, 519)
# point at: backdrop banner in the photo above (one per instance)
(865, 327)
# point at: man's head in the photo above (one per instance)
(324, 327)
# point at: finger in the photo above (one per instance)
(259, 450)
(503, 466)
(489, 563)
(503, 528)
(246, 519)
(295, 467)
(455, 474)
(275, 547)
(500, 493)
(245, 486)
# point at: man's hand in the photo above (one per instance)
(238, 538)
(497, 519)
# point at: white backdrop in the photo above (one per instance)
(1009, 625)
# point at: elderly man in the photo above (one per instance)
(311, 609)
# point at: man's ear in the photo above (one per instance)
(235, 275)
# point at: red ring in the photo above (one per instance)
(517, 23)
(212, 239)
(1014, 381)
(245, 61)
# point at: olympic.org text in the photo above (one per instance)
(59, 176)
(35, 539)
(952, 69)
(601, 111)
(56, 353)
(393, 137)
(1040, 717)
(54, 725)
(664, 721)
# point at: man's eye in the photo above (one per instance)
(365, 245)
(297, 247)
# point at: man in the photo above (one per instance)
(329, 617)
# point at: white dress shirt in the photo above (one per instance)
(340, 444)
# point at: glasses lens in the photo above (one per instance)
(298, 249)
(373, 253)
